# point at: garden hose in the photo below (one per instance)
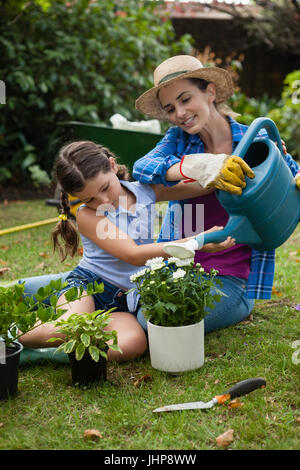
(27, 226)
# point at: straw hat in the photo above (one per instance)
(177, 68)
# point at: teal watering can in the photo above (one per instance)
(268, 211)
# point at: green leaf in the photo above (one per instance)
(69, 346)
(94, 352)
(86, 339)
(53, 300)
(71, 294)
(79, 352)
(115, 347)
(103, 353)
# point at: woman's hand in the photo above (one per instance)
(219, 171)
(214, 247)
(232, 175)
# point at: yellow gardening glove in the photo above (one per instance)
(297, 180)
(232, 176)
(216, 171)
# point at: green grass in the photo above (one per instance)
(49, 413)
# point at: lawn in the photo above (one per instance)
(49, 413)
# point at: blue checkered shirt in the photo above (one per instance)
(152, 169)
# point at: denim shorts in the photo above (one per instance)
(112, 296)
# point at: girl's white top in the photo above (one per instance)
(137, 222)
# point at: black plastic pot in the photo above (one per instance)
(87, 371)
(9, 371)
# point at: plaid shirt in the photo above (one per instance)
(152, 169)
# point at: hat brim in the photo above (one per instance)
(149, 104)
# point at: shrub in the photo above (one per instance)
(287, 114)
(73, 61)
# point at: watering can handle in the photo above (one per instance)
(251, 132)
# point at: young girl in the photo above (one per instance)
(116, 226)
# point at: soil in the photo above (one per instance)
(14, 193)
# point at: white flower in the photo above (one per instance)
(172, 260)
(155, 263)
(179, 274)
(135, 276)
(152, 261)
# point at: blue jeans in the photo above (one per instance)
(112, 296)
(231, 310)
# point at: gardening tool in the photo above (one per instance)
(268, 210)
(241, 388)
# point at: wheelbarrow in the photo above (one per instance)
(128, 145)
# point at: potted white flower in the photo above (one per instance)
(173, 296)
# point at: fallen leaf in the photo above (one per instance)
(3, 270)
(80, 251)
(44, 255)
(297, 419)
(293, 253)
(235, 404)
(225, 439)
(4, 263)
(4, 247)
(1, 425)
(276, 292)
(92, 434)
(41, 265)
(145, 378)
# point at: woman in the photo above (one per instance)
(192, 98)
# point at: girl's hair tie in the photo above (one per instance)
(63, 217)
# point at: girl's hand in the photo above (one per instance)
(214, 247)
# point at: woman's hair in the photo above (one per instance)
(76, 163)
(222, 108)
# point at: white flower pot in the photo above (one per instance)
(176, 348)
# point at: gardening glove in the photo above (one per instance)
(297, 180)
(221, 171)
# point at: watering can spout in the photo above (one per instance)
(238, 227)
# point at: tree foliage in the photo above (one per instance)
(77, 60)
(275, 23)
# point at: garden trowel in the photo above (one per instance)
(239, 389)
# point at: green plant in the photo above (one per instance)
(175, 293)
(85, 333)
(251, 108)
(19, 314)
(286, 114)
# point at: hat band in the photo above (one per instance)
(172, 75)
